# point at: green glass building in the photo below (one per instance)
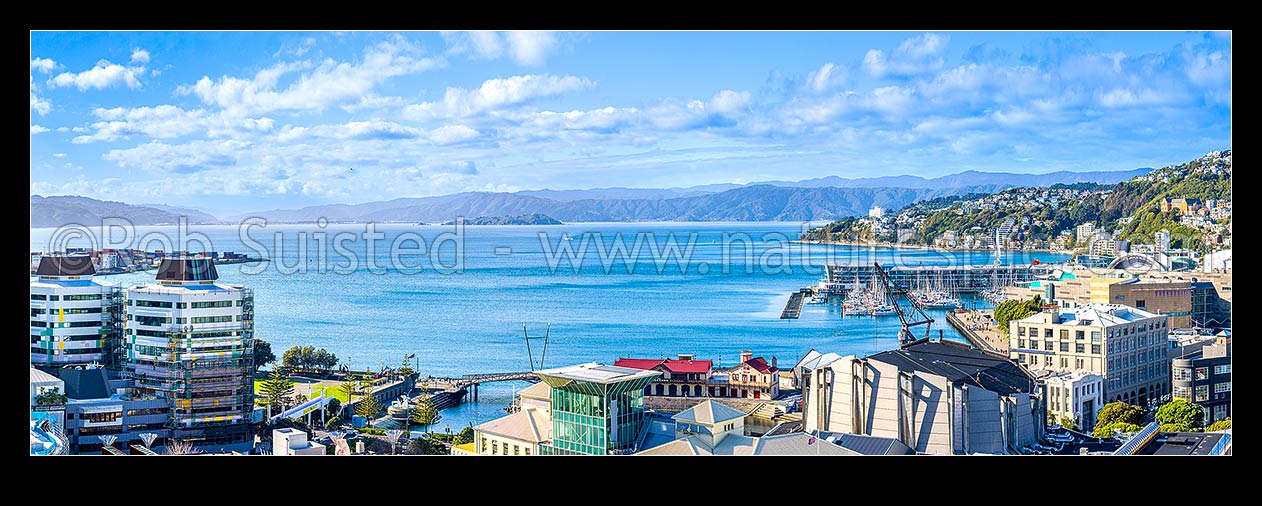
(596, 409)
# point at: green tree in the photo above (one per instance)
(368, 407)
(333, 423)
(334, 406)
(406, 369)
(1120, 412)
(350, 386)
(1016, 309)
(424, 413)
(277, 392)
(1068, 423)
(1175, 427)
(425, 446)
(51, 397)
(1180, 412)
(1223, 424)
(322, 359)
(1106, 430)
(466, 435)
(262, 354)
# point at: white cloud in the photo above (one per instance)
(44, 65)
(917, 55)
(36, 129)
(525, 47)
(728, 102)
(495, 93)
(451, 134)
(530, 47)
(330, 84)
(166, 122)
(139, 55)
(826, 77)
(59, 155)
(39, 104)
(103, 75)
(186, 158)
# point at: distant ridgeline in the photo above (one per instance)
(63, 210)
(525, 219)
(1133, 205)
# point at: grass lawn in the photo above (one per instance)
(333, 391)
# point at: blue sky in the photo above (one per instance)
(234, 122)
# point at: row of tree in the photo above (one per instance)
(1016, 309)
(1175, 416)
(307, 358)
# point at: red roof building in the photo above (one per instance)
(754, 378)
(682, 377)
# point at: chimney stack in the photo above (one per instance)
(746, 356)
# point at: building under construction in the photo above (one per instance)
(75, 319)
(190, 340)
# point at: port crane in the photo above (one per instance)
(892, 291)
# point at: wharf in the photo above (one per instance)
(793, 307)
(977, 328)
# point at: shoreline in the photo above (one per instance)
(923, 247)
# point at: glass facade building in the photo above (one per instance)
(596, 409)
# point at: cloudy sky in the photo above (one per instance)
(231, 122)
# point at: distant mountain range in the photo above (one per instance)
(61, 210)
(525, 219)
(825, 198)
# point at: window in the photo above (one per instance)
(516, 450)
(111, 416)
(1095, 336)
(1034, 345)
(36, 296)
(1080, 348)
(1078, 334)
(1222, 387)
(1078, 363)
(484, 447)
(1064, 347)
(218, 303)
(1139, 303)
(1202, 373)
(1202, 393)
(1020, 330)
(1222, 369)
(1047, 361)
(1064, 333)
(152, 303)
(82, 297)
(1021, 343)
(1048, 345)
(527, 451)
(1047, 333)
(211, 319)
(495, 447)
(1182, 374)
(1064, 362)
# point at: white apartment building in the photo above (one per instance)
(72, 314)
(1077, 395)
(1126, 346)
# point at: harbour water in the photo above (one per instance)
(728, 298)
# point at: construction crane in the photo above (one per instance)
(891, 291)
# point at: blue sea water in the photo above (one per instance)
(728, 297)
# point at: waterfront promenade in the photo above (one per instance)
(979, 328)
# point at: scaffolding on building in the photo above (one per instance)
(205, 371)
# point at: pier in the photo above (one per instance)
(448, 392)
(976, 328)
(793, 308)
(848, 277)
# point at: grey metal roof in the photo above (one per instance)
(65, 265)
(709, 412)
(85, 383)
(798, 443)
(598, 373)
(872, 445)
(961, 363)
(187, 269)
